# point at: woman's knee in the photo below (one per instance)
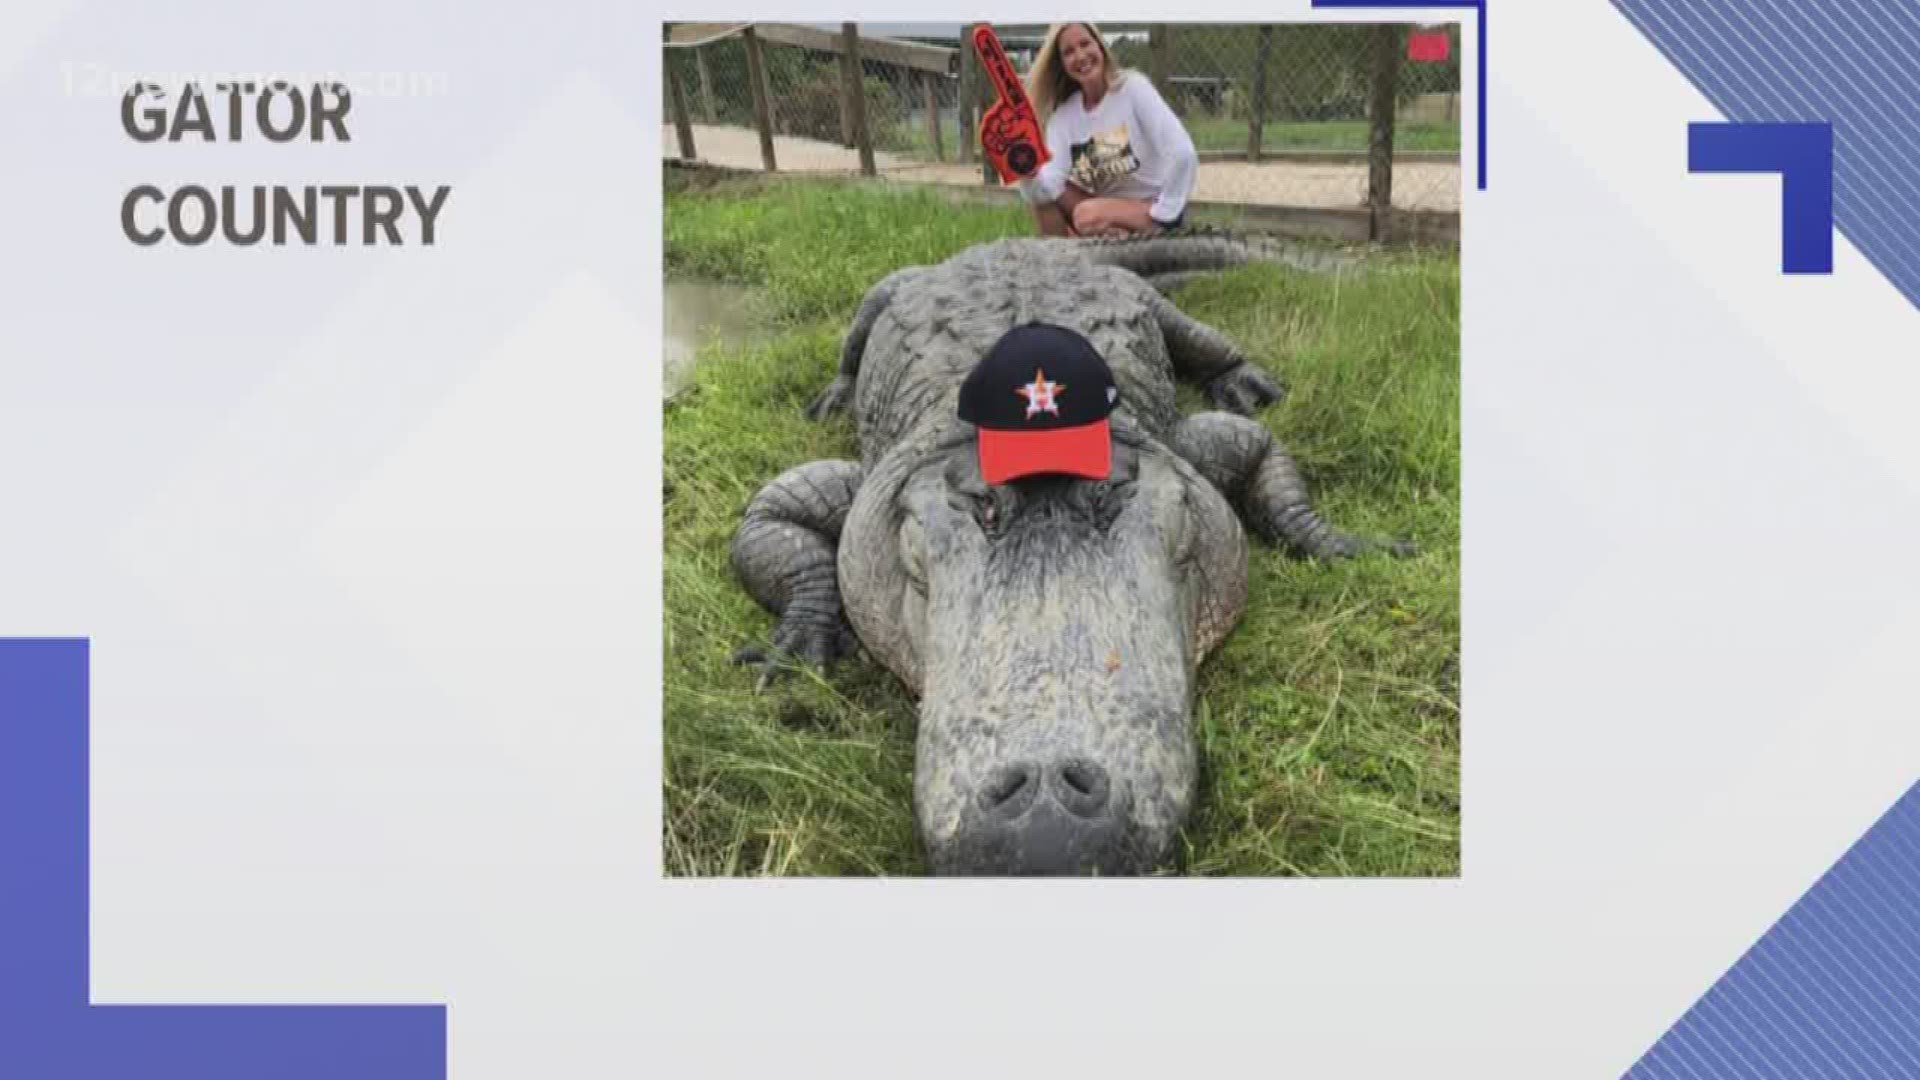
(1086, 217)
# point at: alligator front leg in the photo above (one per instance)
(1203, 355)
(1249, 466)
(786, 554)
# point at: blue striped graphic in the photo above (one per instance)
(1853, 63)
(1832, 990)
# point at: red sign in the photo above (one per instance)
(1010, 131)
(1429, 47)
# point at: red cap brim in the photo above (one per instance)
(1085, 451)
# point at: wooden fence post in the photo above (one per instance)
(1257, 107)
(857, 98)
(963, 99)
(762, 109)
(676, 67)
(849, 87)
(778, 125)
(932, 87)
(1387, 46)
(1159, 47)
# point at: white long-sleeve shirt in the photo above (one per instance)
(1130, 146)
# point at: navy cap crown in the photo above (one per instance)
(1039, 377)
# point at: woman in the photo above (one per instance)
(1121, 161)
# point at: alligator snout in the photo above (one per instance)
(1061, 816)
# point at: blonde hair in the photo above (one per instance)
(1048, 83)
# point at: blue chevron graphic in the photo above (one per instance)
(1803, 156)
(48, 1031)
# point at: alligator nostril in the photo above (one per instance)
(1006, 785)
(1083, 787)
(1009, 790)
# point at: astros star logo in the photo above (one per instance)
(1041, 394)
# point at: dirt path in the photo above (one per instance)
(1416, 185)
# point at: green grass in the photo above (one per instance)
(1229, 134)
(1328, 722)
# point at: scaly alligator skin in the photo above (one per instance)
(1051, 627)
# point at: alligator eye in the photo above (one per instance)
(981, 504)
(977, 505)
(992, 509)
(1110, 499)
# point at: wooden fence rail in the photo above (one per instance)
(930, 65)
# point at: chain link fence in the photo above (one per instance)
(1328, 116)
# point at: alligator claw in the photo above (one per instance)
(831, 400)
(794, 646)
(768, 662)
(1244, 389)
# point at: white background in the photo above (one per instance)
(366, 541)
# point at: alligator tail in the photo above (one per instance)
(1202, 250)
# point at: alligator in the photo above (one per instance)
(1050, 627)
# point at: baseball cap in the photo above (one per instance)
(1040, 399)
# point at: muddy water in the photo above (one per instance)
(699, 312)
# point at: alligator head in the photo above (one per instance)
(1051, 628)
